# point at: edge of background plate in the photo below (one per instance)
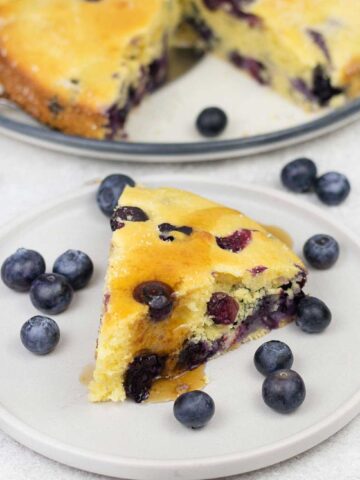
(180, 152)
(198, 468)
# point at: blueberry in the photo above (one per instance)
(222, 308)
(321, 251)
(332, 188)
(273, 355)
(110, 190)
(76, 267)
(158, 296)
(253, 67)
(140, 375)
(194, 409)
(126, 214)
(322, 89)
(168, 227)
(283, 391)
(235, 242)
(193, 354)
(299, 175)
(20, 269)
(211, 122)
(51, 293)
(312, 315)
(40, 335)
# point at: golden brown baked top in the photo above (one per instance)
(82, 51)
(194, 261)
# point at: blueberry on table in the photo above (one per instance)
(312, 315)
(283, 391)
(299, 175)
(321, 251)
(51, 293)
(194, 409)
(76, 266)
(110, 190)
(273, 355)
(332, 188)
(20, 269)
(211, 122)
(40, 335)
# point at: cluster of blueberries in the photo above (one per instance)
(51, 293)
(283, 389)
(300, 176)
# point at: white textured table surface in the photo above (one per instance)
(30, 177)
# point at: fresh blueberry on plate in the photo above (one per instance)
(332, 188)
(211, 122)
(76, 266)
(110, 190)
(194, 409)
(40, 335)
(299, 175)
(273, 355)
(20, 269)
(283, 391)
(51, 293)
(321, 251)
(312, 315)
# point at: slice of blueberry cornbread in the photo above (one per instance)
(307, 50)
(81, 65)
(187, 280)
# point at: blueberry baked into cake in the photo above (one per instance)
(187, 280)
(80, 66)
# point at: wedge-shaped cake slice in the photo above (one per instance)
(187, 280)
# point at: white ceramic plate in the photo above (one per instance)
(162, 128)
(44, 406)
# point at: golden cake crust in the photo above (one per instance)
(41, 104)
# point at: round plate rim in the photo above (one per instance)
(196, 468)
(186, 151)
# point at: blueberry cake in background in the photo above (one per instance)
(187, 280)
(307, 50)
(80, 66)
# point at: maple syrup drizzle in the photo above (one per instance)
(167, 389)
(87, 374)
(280, 234)
(164, 389)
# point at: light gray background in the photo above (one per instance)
(29, 177)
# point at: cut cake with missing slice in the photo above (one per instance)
(81, 66)
(187, 280)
